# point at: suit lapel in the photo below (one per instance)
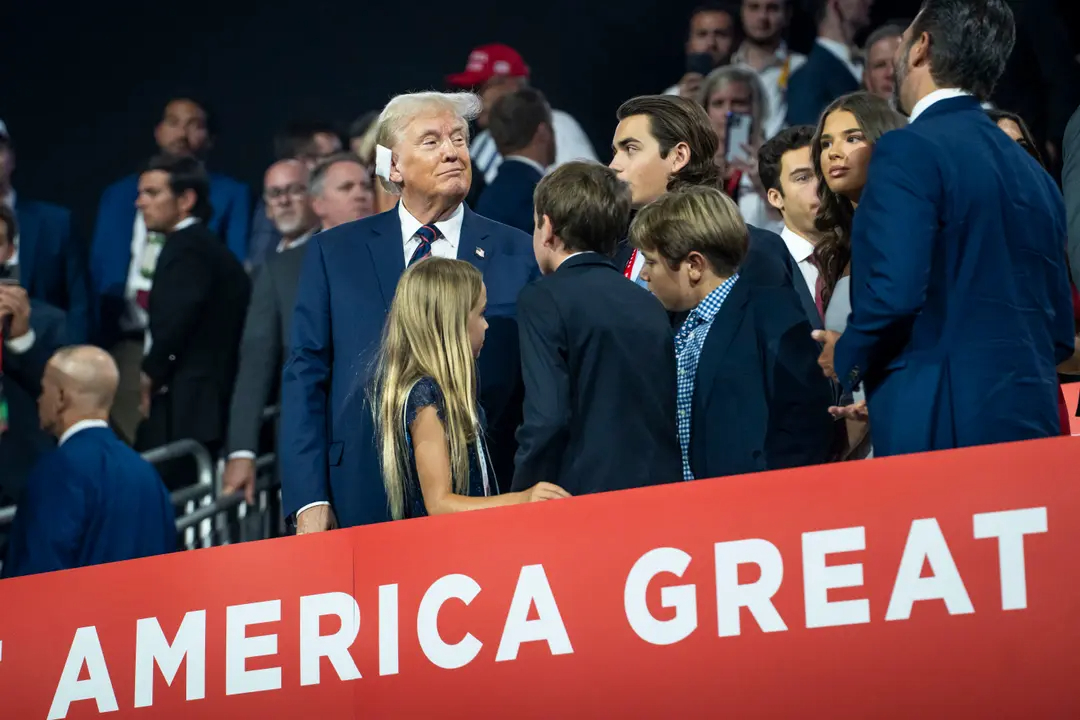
(387, 250)
(472, 246)
(725, 326)
(29, 234)
(806, 297)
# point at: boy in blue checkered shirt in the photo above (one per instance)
(750, 394)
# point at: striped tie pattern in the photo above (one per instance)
(427, 234)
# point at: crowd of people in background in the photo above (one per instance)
(785, 260)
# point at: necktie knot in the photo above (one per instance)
(427, 234)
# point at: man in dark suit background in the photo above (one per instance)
(933, 329)
(750, 396)
(1070, 185)
(196, 315)
(597, 352)
(347, 282)
(831, 69)
(92, 500)
(43, 254)
(520, 124)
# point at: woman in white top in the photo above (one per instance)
(840, 152)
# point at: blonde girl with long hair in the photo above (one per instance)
(429, 426)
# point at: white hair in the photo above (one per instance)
(401, 110)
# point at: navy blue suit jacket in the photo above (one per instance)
(821, 79)
(509, 198)
(961, 306)
(760, 400)
(110, 250)
(52, 265)
(93, 500)
(347, 283)
(25, 441)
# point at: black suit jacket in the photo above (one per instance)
(760, 401)
(598, 359)
(197, 306)
(509, 198)
(820, 80)
(264, 346)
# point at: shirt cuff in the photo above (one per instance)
(309, 506)
(22, 344)
(245, 454)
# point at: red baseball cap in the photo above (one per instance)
(488, 61)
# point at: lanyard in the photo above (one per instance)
(628, 271)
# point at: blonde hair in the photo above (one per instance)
(693, 219)
(759, 98)
(427, 335)
(401, 110)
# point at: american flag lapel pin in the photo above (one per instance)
(480, 252)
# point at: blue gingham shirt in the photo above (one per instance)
(688, 343)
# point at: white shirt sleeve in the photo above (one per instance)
(571, 142)
(245, 454)
(22, 344)
(309, 506)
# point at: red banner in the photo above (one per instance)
(933, 585)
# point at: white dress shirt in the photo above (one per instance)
(802, 251)
(79, 427)
(12, 261)
(934, 97)
(282, 245)
(571, 143)
(842, 53)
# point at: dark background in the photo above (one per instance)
(84, 83)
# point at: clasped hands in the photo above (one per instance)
(855, 411)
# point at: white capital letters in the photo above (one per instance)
(533, 587)
(681, 597)
(388, 629)
(757, 596)
(926, 543)
(1010, 527)
(819, 578)
(85, 647)
(239, 647)
(314, 647)
(441, 654)
(152, 648)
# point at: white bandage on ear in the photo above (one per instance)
(383, 156)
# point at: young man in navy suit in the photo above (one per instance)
(832, 68)
(42, 254)
(597, 352)
(961, 306)
(750, 396)
(92, 500)
(520, 124)
(346, 285)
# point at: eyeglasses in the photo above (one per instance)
(276, 193)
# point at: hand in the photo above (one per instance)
(15, 303)
(825, 360)
(690, 85)
(858, 411)
(146, 387)
(315, 519)
(544, 491)
(749, 167)
(240, 475)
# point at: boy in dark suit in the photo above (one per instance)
(750, 395)
(597, 352)
(92, 500)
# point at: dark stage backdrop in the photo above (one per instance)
(84, 83)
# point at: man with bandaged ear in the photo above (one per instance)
(330, 467)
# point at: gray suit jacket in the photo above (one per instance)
(264, 346)
(1070, 183)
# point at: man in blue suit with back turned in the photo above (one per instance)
(329, 459)
(961, 307)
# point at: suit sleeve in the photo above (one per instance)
(50, 522)
(542, 435)
(891, 246)
(1064, 327)
(305, 389)
(78, 285)
(182, 284)
(800, 430)
(260, 353)
(26, 368)
(237, 224)
(1070, 180)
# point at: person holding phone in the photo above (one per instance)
(737, 105)
(709, 43)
